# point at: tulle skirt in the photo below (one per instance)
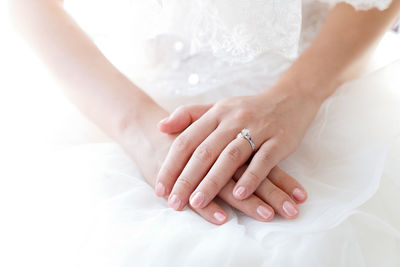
(349, 162)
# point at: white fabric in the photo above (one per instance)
(351, 217)
(362, 4)
(167, 41)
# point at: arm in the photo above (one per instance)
(92, 83)
(339, 51)
(277, 118)
(108, 98)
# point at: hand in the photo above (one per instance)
(144, 142)
(206, 154)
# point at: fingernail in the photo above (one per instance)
(197, 199)
(163, 120)
(299, 194)
(174, 202)
(264, 212)
(160, 190)
(240, 192)
(219, 216)
(289, 209)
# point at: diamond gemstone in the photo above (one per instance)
(246, 131)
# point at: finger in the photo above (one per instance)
(263, 161)
(252, 206)
(278, 199)
(282, 180)
(180, 151)
(182, 117)
(288, 184)
(272, 195)
(198, 165)
(231, 158)
(212, 213)
(239, 172)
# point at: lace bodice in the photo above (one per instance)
(239, 31)
(191, 46)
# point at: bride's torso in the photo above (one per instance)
(187, 48)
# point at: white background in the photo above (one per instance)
(35, 119)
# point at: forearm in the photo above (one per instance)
(97, 88)
(340, 49)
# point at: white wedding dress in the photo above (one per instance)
(193, 51)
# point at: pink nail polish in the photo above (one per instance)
(264, 212)
(299, 194)
(289, 209)
(219, 216)
(174, 202)
(197, 199)
(240, 192)
(163, 120)
(160, 190)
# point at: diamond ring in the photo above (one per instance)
(245, 133)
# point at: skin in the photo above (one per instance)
(206, 154)
(278, 190)
(114, 103)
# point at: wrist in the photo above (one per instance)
(140, 120)
(307, 77)
(312, 89)
(144, 143)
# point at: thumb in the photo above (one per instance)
(182, 117)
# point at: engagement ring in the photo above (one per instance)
(245, 133)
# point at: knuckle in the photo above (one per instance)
(243, 115)
(276, 174)
(266, 157)
(234, 153)
(185, 183)
(164, 174)
(281, 131)
(182, 142)
(218, 110)
(223, 102)
(253, 178)
(274, 193)
(204, 153)
(212, 183)
(274, 147)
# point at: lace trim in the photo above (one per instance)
(362, 4)
(242, 31)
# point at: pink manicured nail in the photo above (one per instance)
(163, 120)
(160, 190)
(174, 202)
(219, 216)
(240, 192)
(299, 194)
(197, 199)
(264, 212)
(289, 209)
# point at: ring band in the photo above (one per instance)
(245, 133)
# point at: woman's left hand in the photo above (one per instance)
(205, 156)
